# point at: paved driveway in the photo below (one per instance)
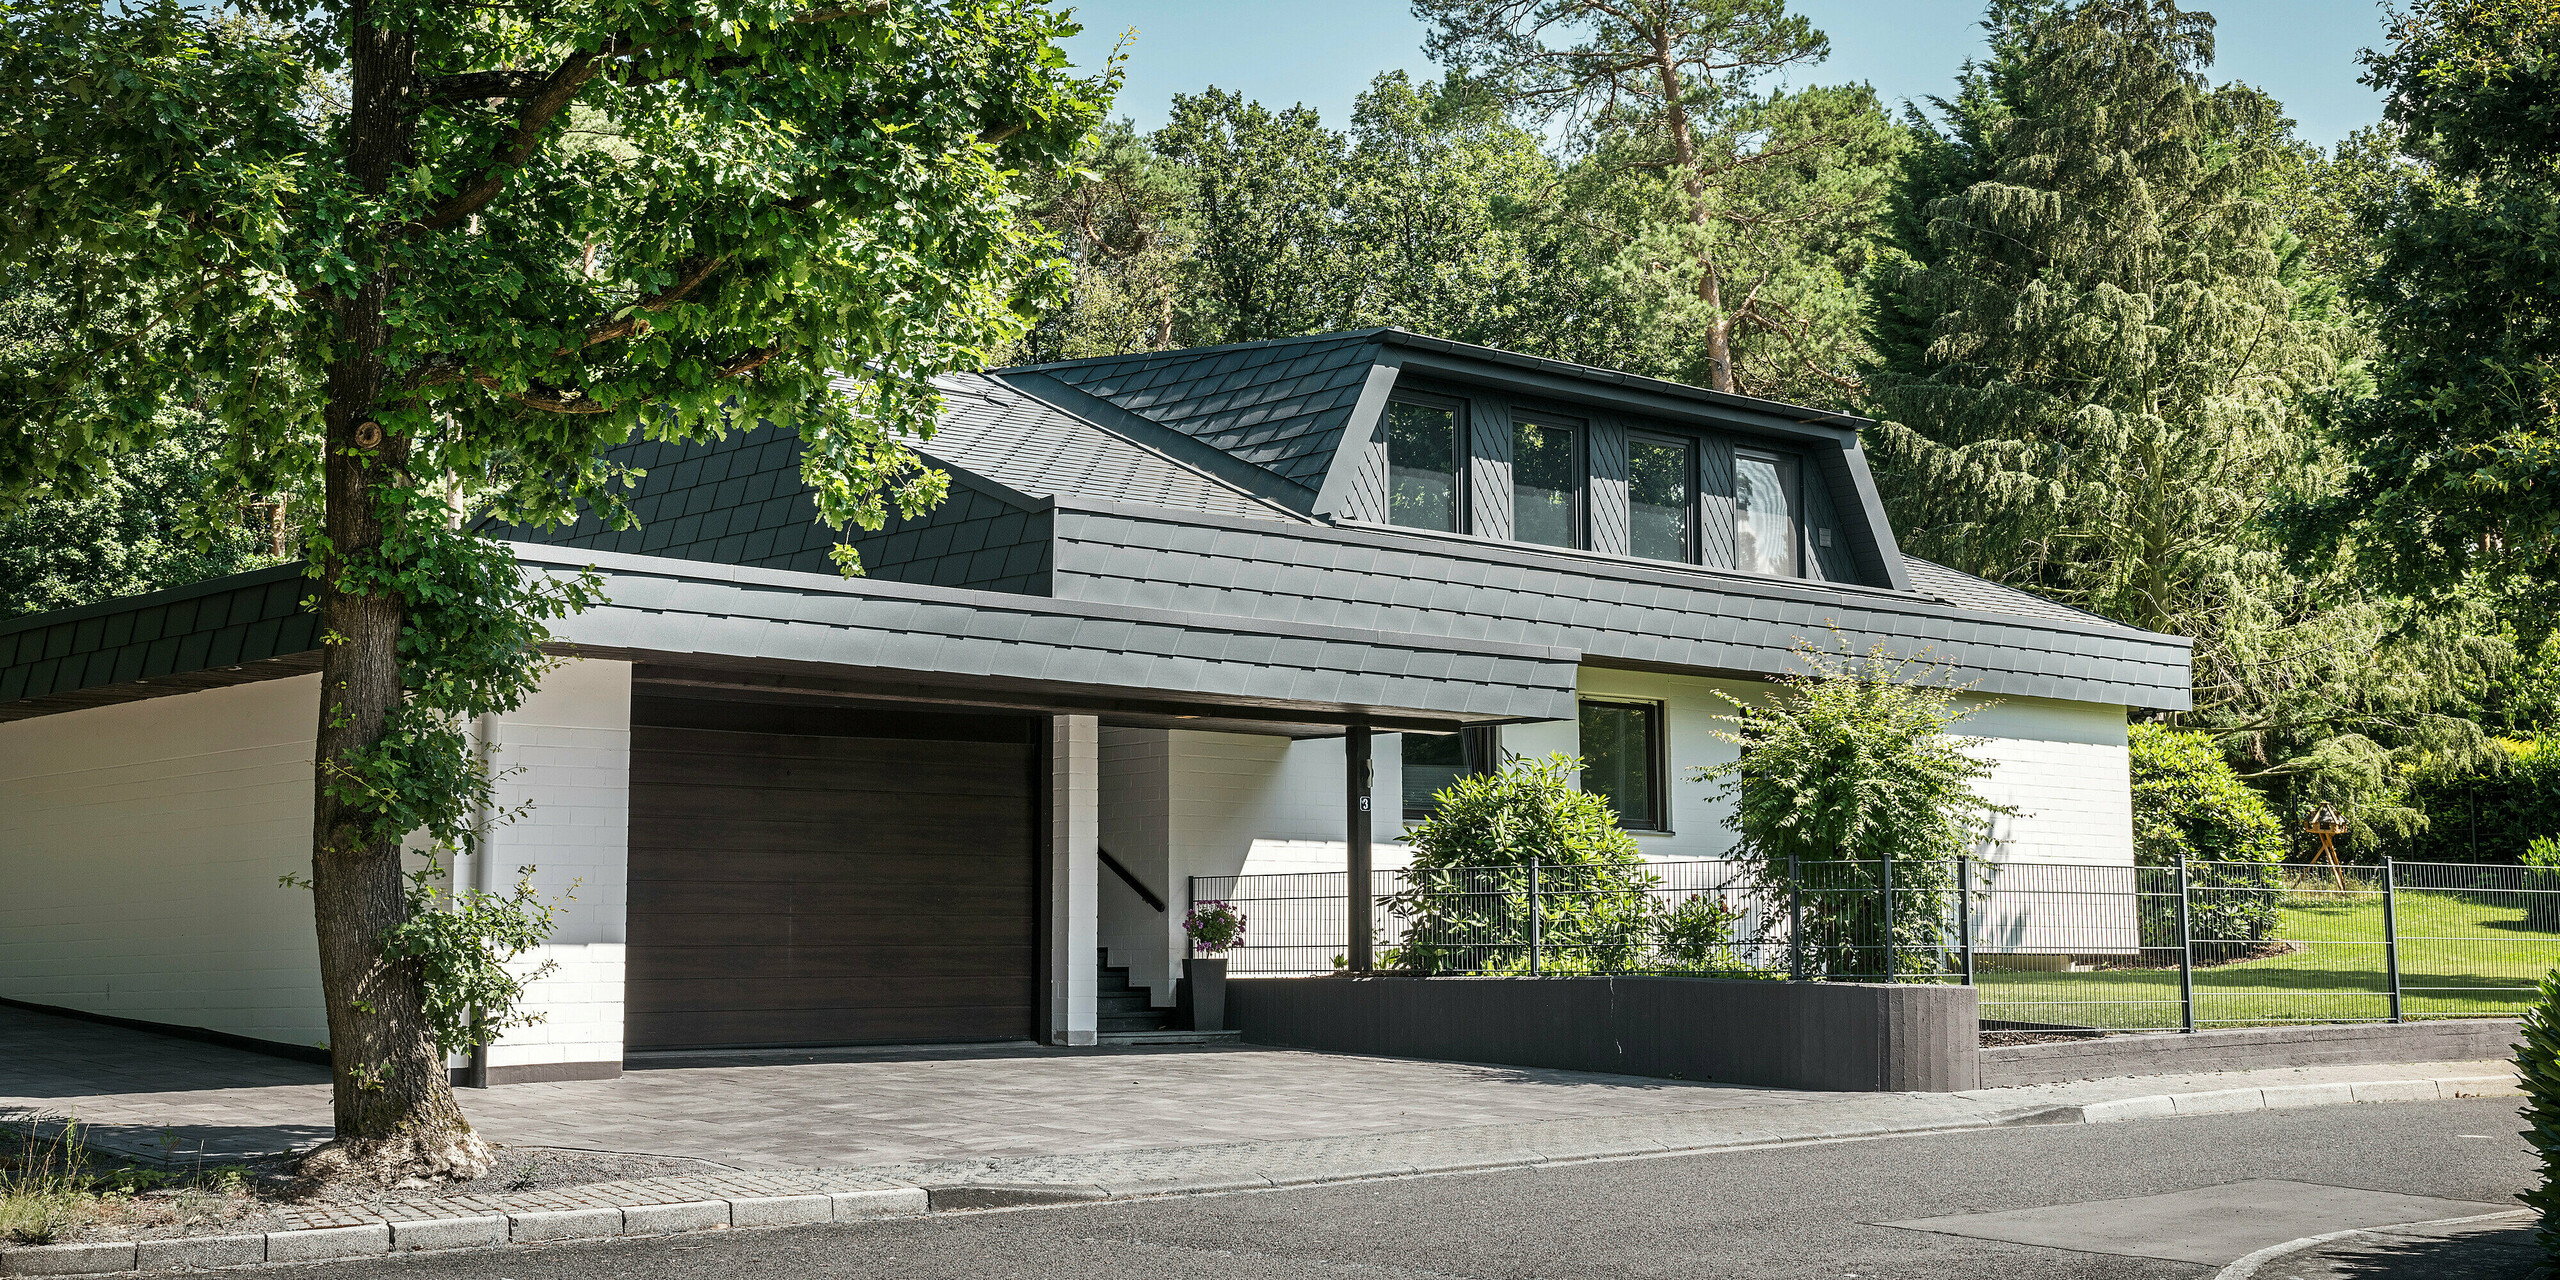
(141, 1090)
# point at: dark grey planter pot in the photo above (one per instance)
(1204, 993)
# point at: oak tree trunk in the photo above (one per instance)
(396, 1114)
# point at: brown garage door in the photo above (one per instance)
(807, 876)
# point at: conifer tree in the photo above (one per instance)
(2092, 360)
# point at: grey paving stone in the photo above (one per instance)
(564, 1224)
(199, 1252)
(449, 1233)
(880, 1203)
(324, 1243)
(779, 1211)
(66, 1259)
(664, 1219)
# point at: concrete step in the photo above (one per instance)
(1167, 1036)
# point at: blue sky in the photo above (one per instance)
(1321, 52)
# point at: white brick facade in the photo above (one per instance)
(139, 859)
(146, 839)
(1178, 804)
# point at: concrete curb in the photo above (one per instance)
(379, 1239)
(2248, 1266)
(2273, 1097)
(871, 1201)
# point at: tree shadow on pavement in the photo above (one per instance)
(2504, 1253)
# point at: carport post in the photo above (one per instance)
(1358, 778)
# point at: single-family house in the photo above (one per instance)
(1185, 613)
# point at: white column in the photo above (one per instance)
(1074, 830)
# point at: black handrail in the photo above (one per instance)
(1145, 894)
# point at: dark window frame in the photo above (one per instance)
(1457, 407)
(1691, 541)
(1577, 429)
(1791, 466)
(1657, 820)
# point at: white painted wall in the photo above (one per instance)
(139, 858)
(567, 753)
(1074, 828)
(139, 866)
(1237, 804)
(1133, 790)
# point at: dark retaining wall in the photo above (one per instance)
(2248, 1049)
(1811, 1035)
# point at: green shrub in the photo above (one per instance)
(1466, 897)
(1696, 936)
(2488, 815)
(2189, 803)
(2538, 1070)
(1847, 771)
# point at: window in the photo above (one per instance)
(1659, 498)
(1622, 760)
(1764, 514)
(1546, 485)
(1422, 466)
(1431, 761)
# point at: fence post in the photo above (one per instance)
(2186, 957)
(2391, 933)
(1964, 914)
(1887, 865)
(1795, 923)
(1535, 959)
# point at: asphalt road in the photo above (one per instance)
(1804, 1211)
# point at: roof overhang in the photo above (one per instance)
(710, 626)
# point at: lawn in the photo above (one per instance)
(2460, 954)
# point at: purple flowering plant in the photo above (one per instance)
(1214, 927)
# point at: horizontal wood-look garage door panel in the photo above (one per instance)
(823, 1027)
(819, 887)
(953, 897)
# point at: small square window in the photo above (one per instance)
(1622, 761)
(1431, 762)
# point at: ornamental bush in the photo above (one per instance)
(1465, 903)
(2189, 803)
(1847, 770)
(2538, 1070)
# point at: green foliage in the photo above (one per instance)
(1847, 775)
(2188, 803)
(2538, 1071)
(1466, 895)
(135, 529)
(1733, 211)
(150, 519)
(2095, 356)
(1696, 935)
(2542, 851)
(2455, 461)
(462, 942)
(2487, 814)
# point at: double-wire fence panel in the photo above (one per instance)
(2057, 947)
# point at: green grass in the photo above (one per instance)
(2460, 955)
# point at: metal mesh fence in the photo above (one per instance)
(2051, 946)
